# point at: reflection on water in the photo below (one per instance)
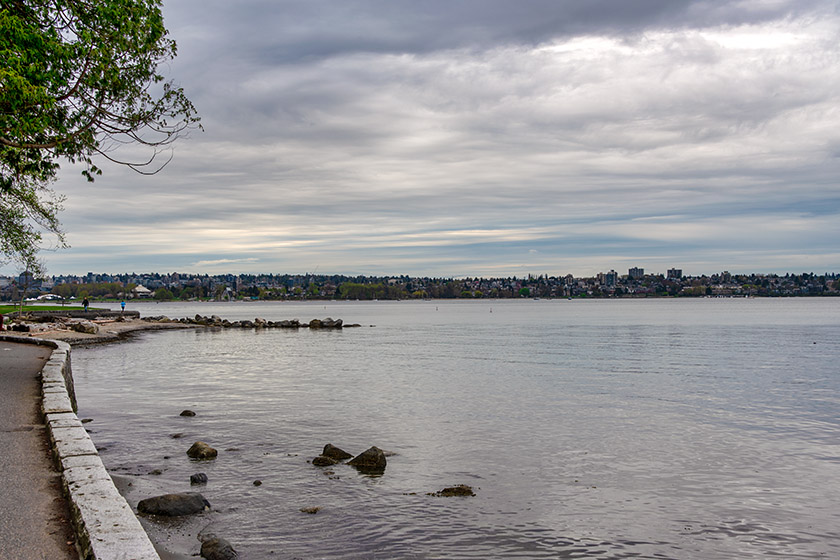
(604, 429)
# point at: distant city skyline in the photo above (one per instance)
(480, 139)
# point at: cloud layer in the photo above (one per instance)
(483, 138)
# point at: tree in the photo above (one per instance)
(163, 294)
(78, 78)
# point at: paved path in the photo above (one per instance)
(33, 513)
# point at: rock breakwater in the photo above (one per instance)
(257, 323)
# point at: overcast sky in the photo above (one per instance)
(484, 138)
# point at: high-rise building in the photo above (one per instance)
(636, 273)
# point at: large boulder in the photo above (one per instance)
(86, 327)
(200, 450)
(334, 452)
(173, 505)
(371, 461)
(328, 323)
(216, 548)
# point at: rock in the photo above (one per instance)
(310, 510)
(246, 324)
(460, 490)
(260, 323)
(258, 483)
(334, 452)
(173, 505)
(86, 327)
(198, 478)
(371, 461)
(156, 472)
(293, 324)
(200, 450)
(187, 413)
(217, 549)
(321, 461)
(328, 323)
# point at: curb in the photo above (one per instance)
(105, 525)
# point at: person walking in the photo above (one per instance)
(86, 303)
(122, 306)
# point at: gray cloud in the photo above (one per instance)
(485, 138)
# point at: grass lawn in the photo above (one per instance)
(4, 309)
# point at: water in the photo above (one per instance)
(597, 429)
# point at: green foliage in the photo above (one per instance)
(96, 289)
(524, 292)
(77, 79)
(163, 294)
(353, 290)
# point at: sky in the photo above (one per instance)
(483, 138)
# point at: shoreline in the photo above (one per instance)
(109, 331)
(161, 539)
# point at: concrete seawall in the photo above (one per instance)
(105, 525)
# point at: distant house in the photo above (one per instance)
(141, 292)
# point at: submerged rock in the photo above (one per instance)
(174, 505)
(217, 549)
(198, 478)
(200, 450)
(334, 452)
(322, 461)
(460, 490)
(371, 461)
(187, 413)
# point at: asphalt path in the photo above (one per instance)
(33, 512)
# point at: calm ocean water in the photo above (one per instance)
(600, 429)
